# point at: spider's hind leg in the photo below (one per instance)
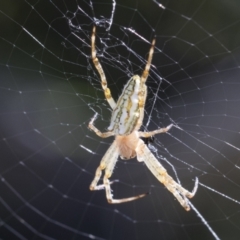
(148, 65)
(99, 68)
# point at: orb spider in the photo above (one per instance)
(126, 120)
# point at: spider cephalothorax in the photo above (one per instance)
(126, 120)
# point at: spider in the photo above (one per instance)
(126, 120)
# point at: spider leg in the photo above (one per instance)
(152, 133)
(98, 174)
(108, 163)
(98, 132)
(181, 194)
(99, 68)
(122, 200)
(148, 65)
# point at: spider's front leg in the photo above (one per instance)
(108, 163)
(181, 194)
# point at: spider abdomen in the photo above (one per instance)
(126, 115)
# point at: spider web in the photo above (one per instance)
(49, 90)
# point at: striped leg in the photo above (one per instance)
(180, 193)
(99, 68)
(98, 132)
(148, 65)
(108, 163)
(152, 133)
